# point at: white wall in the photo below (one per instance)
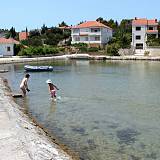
(153, 51)
(105, 35)
(141, 33)
(3, 50)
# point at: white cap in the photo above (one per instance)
(48, 81)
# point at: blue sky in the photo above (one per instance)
(34, 13)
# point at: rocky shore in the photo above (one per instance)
(20, 137)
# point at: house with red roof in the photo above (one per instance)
(141, 29)
(7, 46)
(91, 32)
(23, 35)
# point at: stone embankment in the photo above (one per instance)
(16, 59)
(103, 57)
(20, 137)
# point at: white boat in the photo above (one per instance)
(38, 68)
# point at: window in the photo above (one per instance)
(8, 49)
(138, 37)
(138, 28)
(150, 28)
(77, 38)
(86, 38)
(84, 30)
(75, 30)
(95, 29)
(139, 45)
(97, 38)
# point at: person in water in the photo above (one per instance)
(24, 84)
(52, 88)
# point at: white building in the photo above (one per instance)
(141, 28)
(7, 46)
(91, 32)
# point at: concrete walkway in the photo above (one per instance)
(20, 138)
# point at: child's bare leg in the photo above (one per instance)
(24, 91)
(54, 94)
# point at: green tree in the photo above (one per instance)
(35, 41)
(112, 49)
(34, 33)
(11, 34)
(44, 28)
(63, 24)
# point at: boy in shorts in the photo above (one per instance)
(24, 85)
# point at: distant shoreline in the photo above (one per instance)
(17, 59)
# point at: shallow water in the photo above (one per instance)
(105, 110)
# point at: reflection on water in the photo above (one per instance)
(105, 110)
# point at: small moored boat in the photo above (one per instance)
(38, 68)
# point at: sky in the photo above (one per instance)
(34, 13)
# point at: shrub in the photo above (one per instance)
(62, 49)
(146, 53)
(31, 51)
(112, 49)
(79, 45)
(83, 49)
(93, 49)
(17, 48)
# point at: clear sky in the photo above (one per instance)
(34, 13)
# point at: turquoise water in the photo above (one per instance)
(105, 110)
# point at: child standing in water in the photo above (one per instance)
(24, 85)
(52, 88)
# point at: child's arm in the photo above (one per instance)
(49, 89)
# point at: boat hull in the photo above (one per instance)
(29, 68)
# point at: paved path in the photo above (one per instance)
(20, 138)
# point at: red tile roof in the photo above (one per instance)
(144, 21)
(23, 36)
(89, 24)
(8, 41)
(65, 27)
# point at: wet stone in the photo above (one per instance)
(127, 136)
(96, 122)
(95, 128)
(134, 157)
(79, 130)
(113, 126)
(91, 144)
(152, 155)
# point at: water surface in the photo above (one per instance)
(105, 111)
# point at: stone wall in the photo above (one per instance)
(153, 51)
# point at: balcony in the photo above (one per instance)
(152, 31)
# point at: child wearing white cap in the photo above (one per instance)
(52, 88)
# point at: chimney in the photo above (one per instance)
(155, 20)
(135, 18)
